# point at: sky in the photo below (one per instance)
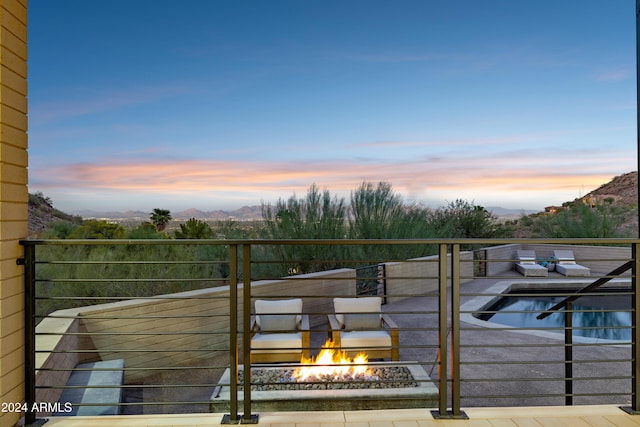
(218, 104)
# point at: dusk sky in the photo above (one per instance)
(143, 104)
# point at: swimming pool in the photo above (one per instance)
(603, 316)
(516, 304)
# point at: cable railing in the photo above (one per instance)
(165, 322)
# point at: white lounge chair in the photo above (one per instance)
(527, 265)
(360, 326)
(566, 264)
(279, 331)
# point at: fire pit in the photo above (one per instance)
(377, 376)
(332, 382)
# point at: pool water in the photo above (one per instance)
(603, 316)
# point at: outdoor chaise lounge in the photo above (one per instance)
(527, 265)
(360, 326)
(566, 264)
(279, 331)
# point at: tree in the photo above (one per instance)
(374, 211)
(160, 218)
(97, 229)
(59, 230)
(461, 219)
(579, 220)
(146, 230)
(317, 216)
(378, 212)
(194, 229)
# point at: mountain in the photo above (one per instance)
(245, 213)
(41, 213)
(622, 189)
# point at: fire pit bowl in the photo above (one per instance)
(412, 389)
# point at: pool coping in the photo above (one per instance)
(480, 303)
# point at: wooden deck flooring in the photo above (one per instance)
(556, 416)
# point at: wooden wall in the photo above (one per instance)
(13, 198)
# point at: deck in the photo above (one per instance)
(553, 416)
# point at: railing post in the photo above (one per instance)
(568, 354)
(635, 321)
(232, 417)
(29, 332)
(635, 325)
(248, 417)
(455, 335)
(442, 333)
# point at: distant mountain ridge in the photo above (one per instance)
(245, 213)
(622, 189)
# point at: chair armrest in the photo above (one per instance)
(395, 336)
(304, 323)
(334, 329)
(334, 325)
(254, 328)
(306, 336)
(386, 320)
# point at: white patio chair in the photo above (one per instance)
(566, 264)
(360, 326)
(527, 265)
(279, 331)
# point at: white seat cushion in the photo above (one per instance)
(279, 307)
(364, 339)
(573, 270)
(355, 305)
(276, 343)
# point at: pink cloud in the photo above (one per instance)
(450, 177)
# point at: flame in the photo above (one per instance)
(331, 363)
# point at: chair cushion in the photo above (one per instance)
(573, 270)
(356, 305)
(278, 322)
(364, 339)
(281, 307)
(276, 343)
(361, 322)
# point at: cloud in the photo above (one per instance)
(614, 74)
(96, 101)
(402, 57)
(436, 143)
(509, 176)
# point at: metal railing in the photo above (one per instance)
(173, 311)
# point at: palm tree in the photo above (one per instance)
(160, 218)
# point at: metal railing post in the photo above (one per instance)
(232, 417)
(635, 325)
(443, 371)
(635, 322)
(29, 263)
(568, 354)
(248, 417)
(443, 330)
(455, 332)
